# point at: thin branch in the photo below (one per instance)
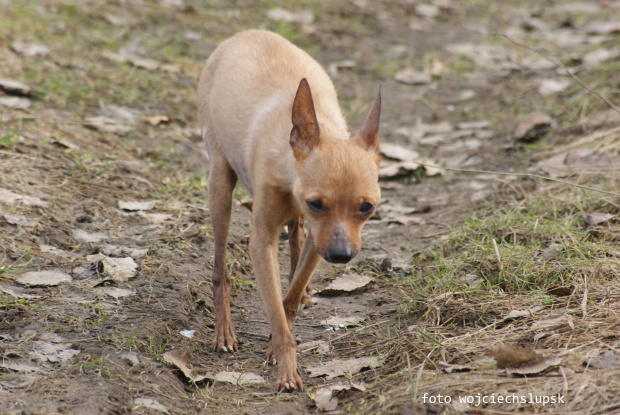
(537, 176)
(565, 69)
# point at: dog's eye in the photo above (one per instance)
(316, 205)
(366, 208)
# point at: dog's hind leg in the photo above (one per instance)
(296, 239)
(222, 180)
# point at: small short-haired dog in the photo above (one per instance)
(270, 117)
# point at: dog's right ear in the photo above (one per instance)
(305, 133)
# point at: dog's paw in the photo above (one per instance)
(289, 377)
(224, 339)
(271, 357)
(306, 302)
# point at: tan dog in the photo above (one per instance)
(309, 170)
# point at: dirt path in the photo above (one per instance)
(108, 118)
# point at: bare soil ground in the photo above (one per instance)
(109, 118)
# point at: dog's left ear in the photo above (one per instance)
(305, 133)
(367, 136)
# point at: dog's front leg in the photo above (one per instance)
(264, 252)
(308, 261)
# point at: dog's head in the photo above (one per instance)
(336, 182)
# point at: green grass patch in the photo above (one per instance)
(537, 245)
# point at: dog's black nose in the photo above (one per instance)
(339, 254)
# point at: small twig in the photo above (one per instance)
(565, 381)
(16, 155)
(584, 300)
(586, 140)
(536, 176)
(499, 259)
(358, 330)
(565, 69)
(414, 388)
(430, 235)
(419, 376)
(574, 349)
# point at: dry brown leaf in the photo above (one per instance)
(52, 352)
(29, 49)
(334, 67)
(106, 125)
(595, 218)
(508, 356)
(551, 322)
(17, 103)
(473, 125)
(119, 20)
(606, 360)
(407, 168)
(473, 280)
(533, 126)
(282, 15)
(405, 210)
(155, 120)
(347, 283)
(552, 86)
(427, 11)
(400, 169)
(87, 237)
(20, 367)
(532, 368)
(16, 380)
(396, 152)
(150, 403)
(180, 361)
(393, 262)
(561, 291)
(119, 269)
(324, 400)
(324, 396)
(602, 28)
(523, 313)
(551, 251)
(318, 346)
(9, 197)
(592, 59)
(412, 77)
(449, 368)
(435, 68)
(341, 322)
(17, 292)
(114, 292)
(238, 378)
(135, 205)
(14, 87)
(43, 278)
(20, 220)
(338, 367)
(403, 220)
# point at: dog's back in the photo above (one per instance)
(245, 96)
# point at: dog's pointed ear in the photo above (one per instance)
(367, 136)
(305, 133)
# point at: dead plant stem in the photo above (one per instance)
(568, 72)
(536, 176)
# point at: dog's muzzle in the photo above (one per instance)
(340, 252)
